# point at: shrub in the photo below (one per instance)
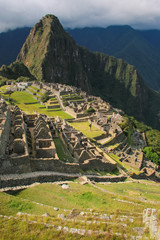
(45, 97)
(151, 155)
(89, 111)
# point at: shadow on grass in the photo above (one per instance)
(31, 103)
(55, 110)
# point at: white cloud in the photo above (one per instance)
(80, 13)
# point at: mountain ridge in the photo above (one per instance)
(136, 47)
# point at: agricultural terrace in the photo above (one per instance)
(89, 205)
(27, 103)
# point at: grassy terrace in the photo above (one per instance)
(28, 104)
(94, 202)
(72, 97)
(145, 190)
(34, 88)
(87, 196)
(85, 129)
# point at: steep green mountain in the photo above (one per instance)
(139, 48)
(52, 55)
(11, 43)
(152, 36)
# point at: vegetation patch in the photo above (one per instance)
(152, 150)
(20, 205)
(62, 151)
(86, 130)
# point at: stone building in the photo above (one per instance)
(44, 145)
(86, 154)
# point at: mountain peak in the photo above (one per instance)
(50, 19)
(40, 41)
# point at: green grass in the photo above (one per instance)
(34, 88)
(146, 190)
(62, 152)
(24, 100)
(4, 88)
(85, 129)
(16, 229)
(112, 147)
(114, 157)
(85, 196)
(80, 197)
(21, 98)
(10, 205)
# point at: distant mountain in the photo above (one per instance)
(153, 36)
(11, 43)
(138, 48)
(52, 55)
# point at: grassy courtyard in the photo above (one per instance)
(85, 129)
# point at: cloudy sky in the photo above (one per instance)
(142, 14)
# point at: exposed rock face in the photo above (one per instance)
(52, 55)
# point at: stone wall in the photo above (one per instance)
(53, 165)
(5, 132)
(59, 166)
(95, 164)
(71, 112)
(10, 181)
(15, 165)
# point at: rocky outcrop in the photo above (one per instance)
(150, 220)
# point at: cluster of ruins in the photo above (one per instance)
(29, 141)
(83, 151)
(30, 137)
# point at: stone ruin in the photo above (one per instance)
(30, 137)
(5, 120)
(24, 137)
(44, 145)
(18, 141)
(84, 152)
